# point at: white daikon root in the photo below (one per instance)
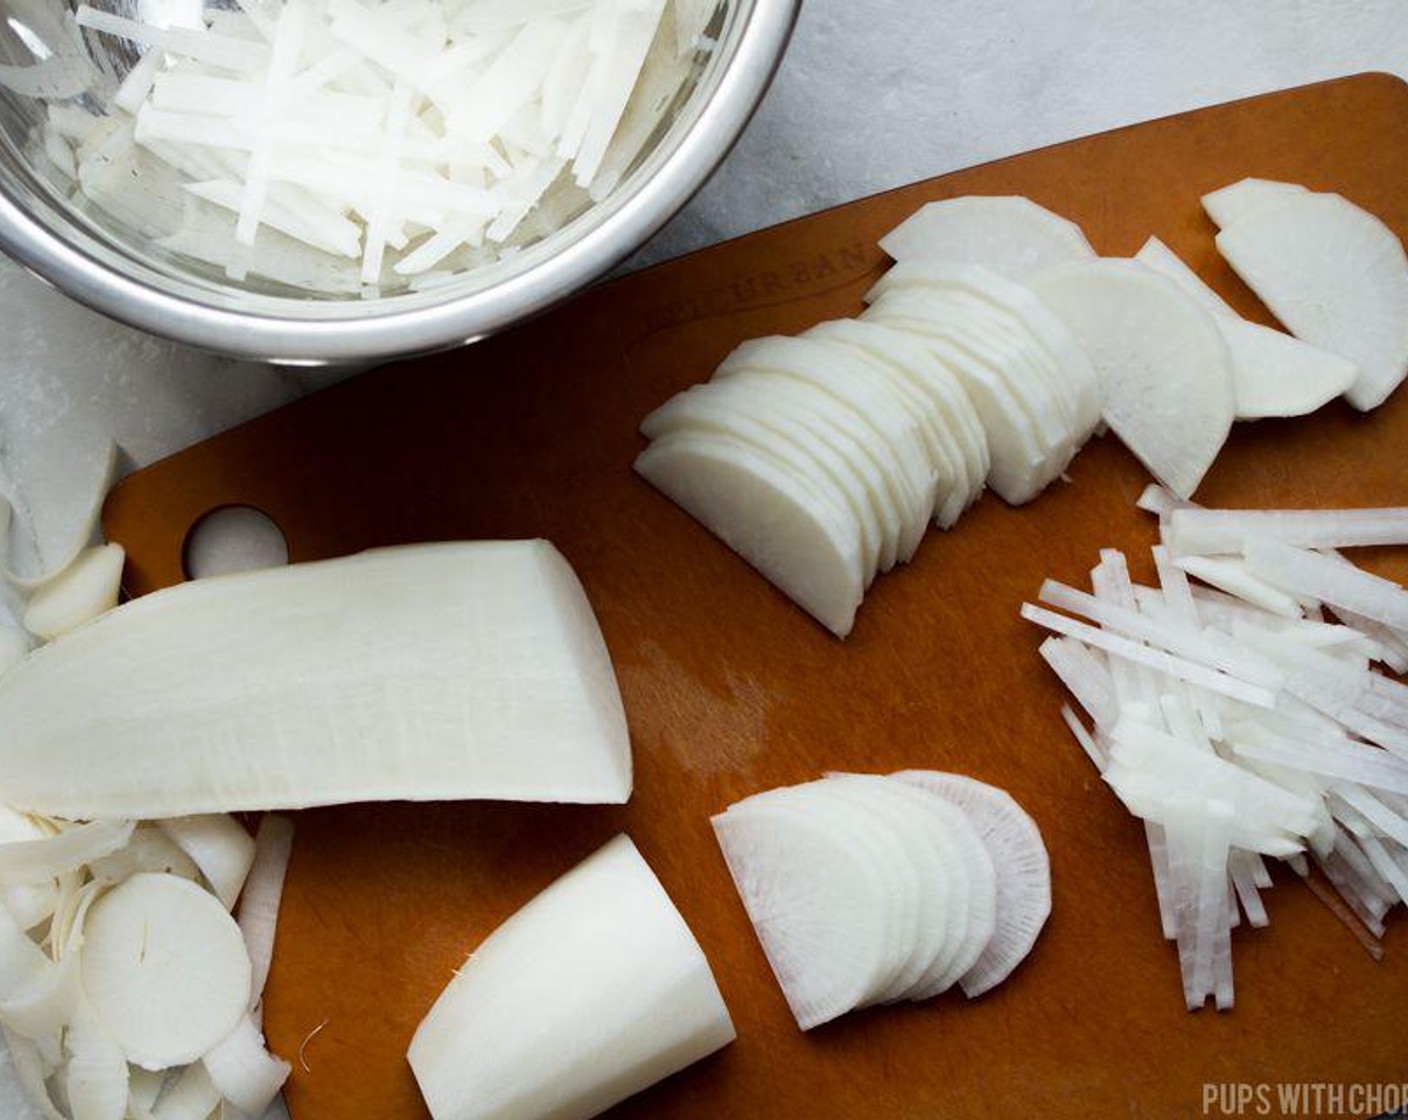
(866, 889)
(1241, 199)
(1165, 369)
(1273, 374)
(274, 714)
(1009, 234)
(82, 591)
(616, 991)
(1335, 275)
(1318, 767)
(165, 970)
(219, 846)
(344, 147)
(259, 901)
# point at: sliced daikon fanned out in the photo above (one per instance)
(1336, 276)
(620, 994)
(951, 404)
(274, 714)
(1022, 867)
(1009, 234)
(165, 969)
(768, 517)
(935, 906)
(1239, 200)
(818, 907)
(1017, 468)
(1273, 374)
(944, 460)
(219, 846)
(741, 409)
(892, 428)
(1015, 305)
(1164, 367)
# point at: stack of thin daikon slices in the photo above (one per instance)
(1241, 722)
(822, 459)
(867, 889)
(128, 988)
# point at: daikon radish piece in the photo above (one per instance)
(147, 849)
(1164, 368)
(14, 644)
(1087, 678)
(259, 902)
(1009, 234)
(621, 993)
(29, 903)
(477, 670)
(165, 969)
(1302, 572)
(1014, 304)
(1237, 580)
(1273, 374)
(1020, 863)
(243, 1071)
(815, 904)
(1336, 276)
(1239, 200)
(38, 861)
(847, 378)
(803, 548)
(738, 409)
(950, 402)
(37, 550)
(95, 1078)
(923, 843)
(190, 1096)
(30, 1073)
(84, 590)
(219, 846)
(40, 996)
(1210, 532)
(1017, 457)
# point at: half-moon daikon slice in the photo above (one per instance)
(1009, 234)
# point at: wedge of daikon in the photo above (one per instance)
(1021, 864)
(1236, 201)
(1273, 373)
(441, 671)
(1165, 369)
(593, 991)
(805, 548)
(1009, 234)
(1336, 276)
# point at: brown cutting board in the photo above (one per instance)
(730, 689)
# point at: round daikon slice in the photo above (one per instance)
(847, 379)
(1017, 456)
(1019, 858)
(1165, 370)
(1336, 276)
(945, 460)
(729, 408)
(828, 421)
(1010, 234)
(912, 823)
(955, 411)
(819, 909)
(785, 529)
(164, 968)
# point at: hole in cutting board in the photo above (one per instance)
(233, 539)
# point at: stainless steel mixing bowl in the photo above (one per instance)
(109, 268)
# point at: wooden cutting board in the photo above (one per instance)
(730, 689)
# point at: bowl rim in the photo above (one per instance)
(362, 332)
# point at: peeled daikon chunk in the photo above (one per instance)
(593, 991)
